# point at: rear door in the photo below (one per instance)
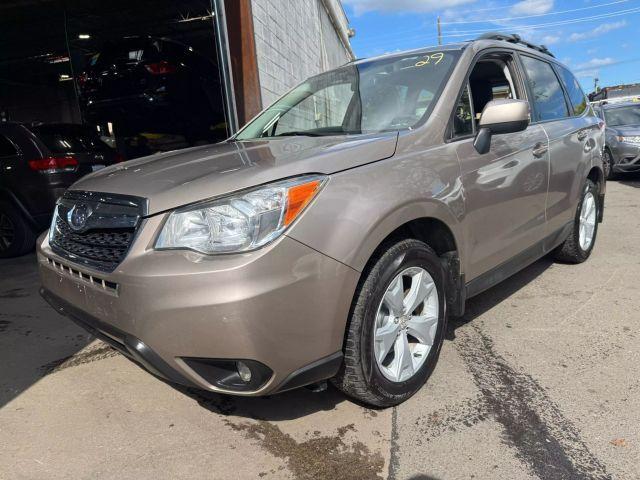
(506, 188)
(570, 140)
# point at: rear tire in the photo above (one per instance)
(365, 376)
(576, 248)
(16, 237)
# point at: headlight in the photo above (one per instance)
(54, 224)
(241, 222)
(633, 139)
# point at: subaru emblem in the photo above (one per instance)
(77, 216)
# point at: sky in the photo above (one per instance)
(595, 38)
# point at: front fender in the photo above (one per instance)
(359, 208)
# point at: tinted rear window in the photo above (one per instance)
(127, 51)
(576, 95)
(69, 139)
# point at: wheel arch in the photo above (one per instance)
(440, 235)
(596, 175)
(7, 196)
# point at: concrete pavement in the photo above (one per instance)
(538, 380)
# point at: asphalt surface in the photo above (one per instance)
(540, 379)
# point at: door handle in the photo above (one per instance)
(582, 134)
(539, 149)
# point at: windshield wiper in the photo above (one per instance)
(299, 134)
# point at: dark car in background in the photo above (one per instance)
(622, 143)
(150, 84)
(37, 164)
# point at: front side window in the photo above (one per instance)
(380, 95)
(615, 117)
(576, 95)
(548, 97)
(491, 79)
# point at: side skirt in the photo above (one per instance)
(517, 263)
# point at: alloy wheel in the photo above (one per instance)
(406, 324)
(7, 232)
(587, 221)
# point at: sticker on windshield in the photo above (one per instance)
(434, 58)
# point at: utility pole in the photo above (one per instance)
(439, 32)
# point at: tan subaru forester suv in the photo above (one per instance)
(337, 231)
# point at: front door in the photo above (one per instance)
(506, 188)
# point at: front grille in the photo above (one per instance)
(103, 234)
(106, 247)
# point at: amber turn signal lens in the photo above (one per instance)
(299, 197)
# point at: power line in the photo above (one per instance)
(466, 33)
(505, 19)
(558, 23)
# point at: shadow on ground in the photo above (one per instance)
(629, 179)
(480, 304)
(34, 339)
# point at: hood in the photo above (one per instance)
(173, 179)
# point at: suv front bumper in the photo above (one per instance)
(284, 307)
(626, 157)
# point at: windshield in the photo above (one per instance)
(622, 116)
(380, 95)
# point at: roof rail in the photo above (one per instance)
(514, 38)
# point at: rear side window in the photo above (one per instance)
(576, 95)
(6, 147)
(548, 97)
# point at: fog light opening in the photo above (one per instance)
(244, 371)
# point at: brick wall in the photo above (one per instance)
(294, 40)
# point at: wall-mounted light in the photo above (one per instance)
(63, 77)
(84, 36)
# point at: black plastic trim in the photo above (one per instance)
(223, 373)
(601, 210)
(317, 371)
(517, 263)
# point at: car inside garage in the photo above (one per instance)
(143, 75)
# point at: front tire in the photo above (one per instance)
(607, 163)
(579, 244)
(397, 326)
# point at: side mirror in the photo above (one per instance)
(501, 116)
